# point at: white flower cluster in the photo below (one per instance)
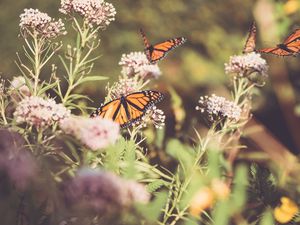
(95, 133)
(242, 65)
(44, 25)
(124, 87)
(40, 112)
(96, 12)
(104, 192)
(137, 64)
(154, 116)
(218, 108)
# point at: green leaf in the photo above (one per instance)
(221, 213)
(90, 78)
(184, 154)
(239, 195)
(267, 218)
(46, 88)
(155, 185)
(153, 210)
(130, 170)
(113, 156)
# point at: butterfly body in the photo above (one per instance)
(158, 51)
(129, 108)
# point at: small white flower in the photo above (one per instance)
(124, 87)
(95, 133)
(243, 65)
(153, 116)
(95, 12)
(137, 64)
(40, 112)
(44, 25)
(218, 108)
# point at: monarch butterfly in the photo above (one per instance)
(130, 108)
(251, 39)
(290, 46)
(158, 51)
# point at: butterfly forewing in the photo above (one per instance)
(295, 36)
(251, 39)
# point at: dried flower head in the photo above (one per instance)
(244, 65)
(95, 133)
(218, 108)
(96, 12)
(2, 86)
(34, 21)
(137, 64)
(19, 88)
(103, 192)
(40, 112)
(154, 116)
(123, 87)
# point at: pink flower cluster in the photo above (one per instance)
(103, 192)
(137, 64)
(95, 133)
(40, 112)
(245, 64)
(32, 20)
(153, 116)
(95, 12)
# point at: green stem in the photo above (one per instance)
(37, 67)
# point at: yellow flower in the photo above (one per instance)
(202, 200)
(286, 211)
(220, 189)
(291, 6)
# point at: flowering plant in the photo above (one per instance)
(59, 165)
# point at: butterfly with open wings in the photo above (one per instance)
(158, 51)
(130, 108)
(289, 47)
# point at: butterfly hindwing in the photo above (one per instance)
(130, 108)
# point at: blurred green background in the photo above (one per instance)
(215, 29)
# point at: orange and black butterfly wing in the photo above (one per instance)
(290, 46)
(251, 39)
(148, 46)
(276, 51)
(160, 50)
(139, 102)
(129, 109)
(295, 36)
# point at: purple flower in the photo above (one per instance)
(103, 192)
(15, 160)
